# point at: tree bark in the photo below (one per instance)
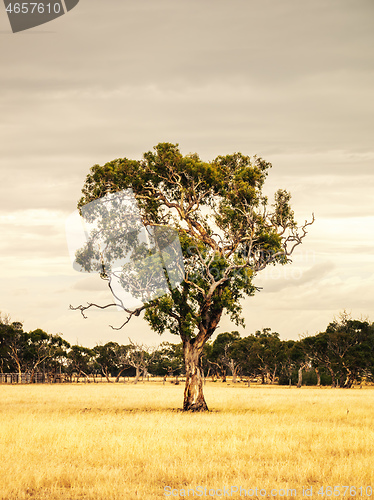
(15, 357)
(19, 373)
(137, 375)
(333, 380)
(300, 376)
(119, 374)
(105, 373)
(272, 381)
(318, 377)
(233, 369)
(193, 393)
(192, 349)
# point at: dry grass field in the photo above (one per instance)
(125, 441)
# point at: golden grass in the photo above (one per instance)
(124, 441)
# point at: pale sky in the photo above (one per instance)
(289, 80)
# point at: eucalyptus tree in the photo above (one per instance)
(42, 348)
(345, 349)
(348, 347)
(267, 351)
(168, 360)
(13, 341)
(105, 358)
(81, 361)
(121, 361)
(287, 359)
(246, 356)
(228, 233)
(140, 357)
(300, 360)
(223, 354)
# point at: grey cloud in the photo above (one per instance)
(196, 40)
(316, 273)
(192, 42)
(274, 282)
(20, 247)
(131, 119)
(262, 78)
(28, 235)
(42, 183)
(324, 187)
(91, 284)
(291, 81)
(330, 296)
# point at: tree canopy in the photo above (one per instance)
(228, 232)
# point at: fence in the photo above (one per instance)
(39, 378)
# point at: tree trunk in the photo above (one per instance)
(119, 374)
(105, 373)
(348, 382)
(19, 373)
(300, 375)
(193, 392)
(318, 376)
(233, 369)
(333, 380)
(15, 357)
(137, 375)
(273, 375)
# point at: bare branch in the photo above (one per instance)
(82, 308)
(135, 312)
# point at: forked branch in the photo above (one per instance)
(89, 305)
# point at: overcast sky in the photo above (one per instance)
(289, 80)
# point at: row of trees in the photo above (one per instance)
(340, 356)
(37, 351)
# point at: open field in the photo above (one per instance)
(125, 441)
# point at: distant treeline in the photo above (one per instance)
(340, 356)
